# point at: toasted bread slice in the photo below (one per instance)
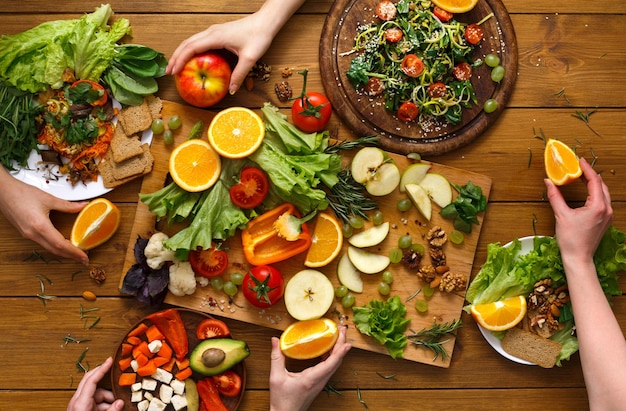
(115, 174)
(124, 147)
(135, 119)
(155, 104)
(531, 347)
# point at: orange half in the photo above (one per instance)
(456, 6)
(236, 132)
(95, 224)
(500, 315)
(194, 165)
(561, 163)
(308, 339)
(327, 240)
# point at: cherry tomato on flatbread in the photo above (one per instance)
(437, 90)
(408, 111)
(386, 10)
(208, 263)
(87, 91)
(393, 34)
(474, 33)
(212, 328)
(251, 189)
(227, 383)
(263, 286)
(412, 65)
(374, 87)
(442, 14)
(462, 71)
(312, 112)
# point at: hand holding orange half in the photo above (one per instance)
(95, 224)
(561, 163)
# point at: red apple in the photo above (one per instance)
(204, 80)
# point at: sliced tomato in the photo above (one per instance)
(386, 10)
(208, 263)
(462, 71)
(474, 33)
(87, 91)
(408, 111)
(374, 87)
(442, 14)
(412, 65)
(228, 383)
(437, 90)
(212, 328)
(393, 34)
(251, 189)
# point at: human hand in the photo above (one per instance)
(296, 391)
(88, 397)
(579, 230)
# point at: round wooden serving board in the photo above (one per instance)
(367, 116)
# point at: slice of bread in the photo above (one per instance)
(124, 147)
(135, 119)
(115, 174)
(155, 105)
(531, 347)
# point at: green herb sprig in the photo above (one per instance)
(431, 338)
(348, 198)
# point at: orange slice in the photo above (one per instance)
(327, 241)
(308, 339)
(95, 224)
(236, 132)
(195, 166)
(500, 315)
(456, 6)
(562, 166)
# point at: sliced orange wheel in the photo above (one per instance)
(236, 132)
(194, 165)
(500, 315)
(308, 339)
(456, 6)
(95, 224)
(561, 163)
(327, 241)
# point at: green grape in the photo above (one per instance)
(456, 237)
(236, 278)
(497, 74)
(490, 105)
(341, 291)
(388, 277)
(395, 255)
(378, 217)
(421, 306)
(158, 126)
(405, 241)
(356, 221)
(174, 122)
(348, 300)
(492, 60)
(168, 137)
(418, 248)
(217, 283)
(230, 289)
(428, 291)
(383, 288)
(404, 204)
(347, 230)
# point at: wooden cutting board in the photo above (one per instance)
(443, 307)
(367, 116)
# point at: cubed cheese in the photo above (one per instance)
(143, 405)
(135, 387)
(178, 386)
(148, 395)
(136, 396)
(149, 384)
(156, 405)
(179, 402)
(165, 393)
(134, 365)
(155, 346)
(163, 376)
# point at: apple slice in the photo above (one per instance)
(371, 236)
(366, 261)
(420, 198)
(438, 188)
(348, 274)
(375, 170)
(413, 174)
(308, 295)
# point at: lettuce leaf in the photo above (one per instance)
(384, 321)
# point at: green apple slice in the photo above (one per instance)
(348, 275)
(308, 295)
(413, 174)
(420, 198)
(438, 188)
(371, 236)
(375, 170)
(366, 261)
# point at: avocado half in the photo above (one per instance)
(234, 351)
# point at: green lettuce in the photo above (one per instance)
(384, 321)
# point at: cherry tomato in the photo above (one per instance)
(474, 33)
(211, 328)
(442, 14)
(208, 263)
(437, 90)
(227, 383)
(251, 189)
(462, 71)
(408, 111)
(311, 113)
(386, 10)
(374, 87)
(393, 34)
(412, 65)
(87, 91)
(263, 286)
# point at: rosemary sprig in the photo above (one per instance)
(361, 400)
(431, 337)
(79, 362)
(387, 377)
(585, 118)
(561, 93)
(69, 339)
(352, 144)
(347, 198)
(329, 389)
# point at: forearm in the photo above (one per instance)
(277, 12)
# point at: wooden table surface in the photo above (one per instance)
(571, 58)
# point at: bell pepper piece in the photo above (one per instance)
(172, 327)
(209, 396)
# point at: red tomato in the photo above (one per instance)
(412, 65)
(263, 286)
(89, 92)
(474, 33)
(208, 263)
(437, 90)
(311, 113)
(211, 328)
(251, 189)
(374, 87)
(393, 34)
(228, 383)
(386, 10)
(408, 111)
(462, 71)
(442, 14)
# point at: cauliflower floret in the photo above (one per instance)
(182, 279)
(202, 281)
(156, 254)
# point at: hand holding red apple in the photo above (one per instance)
(204, 80)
